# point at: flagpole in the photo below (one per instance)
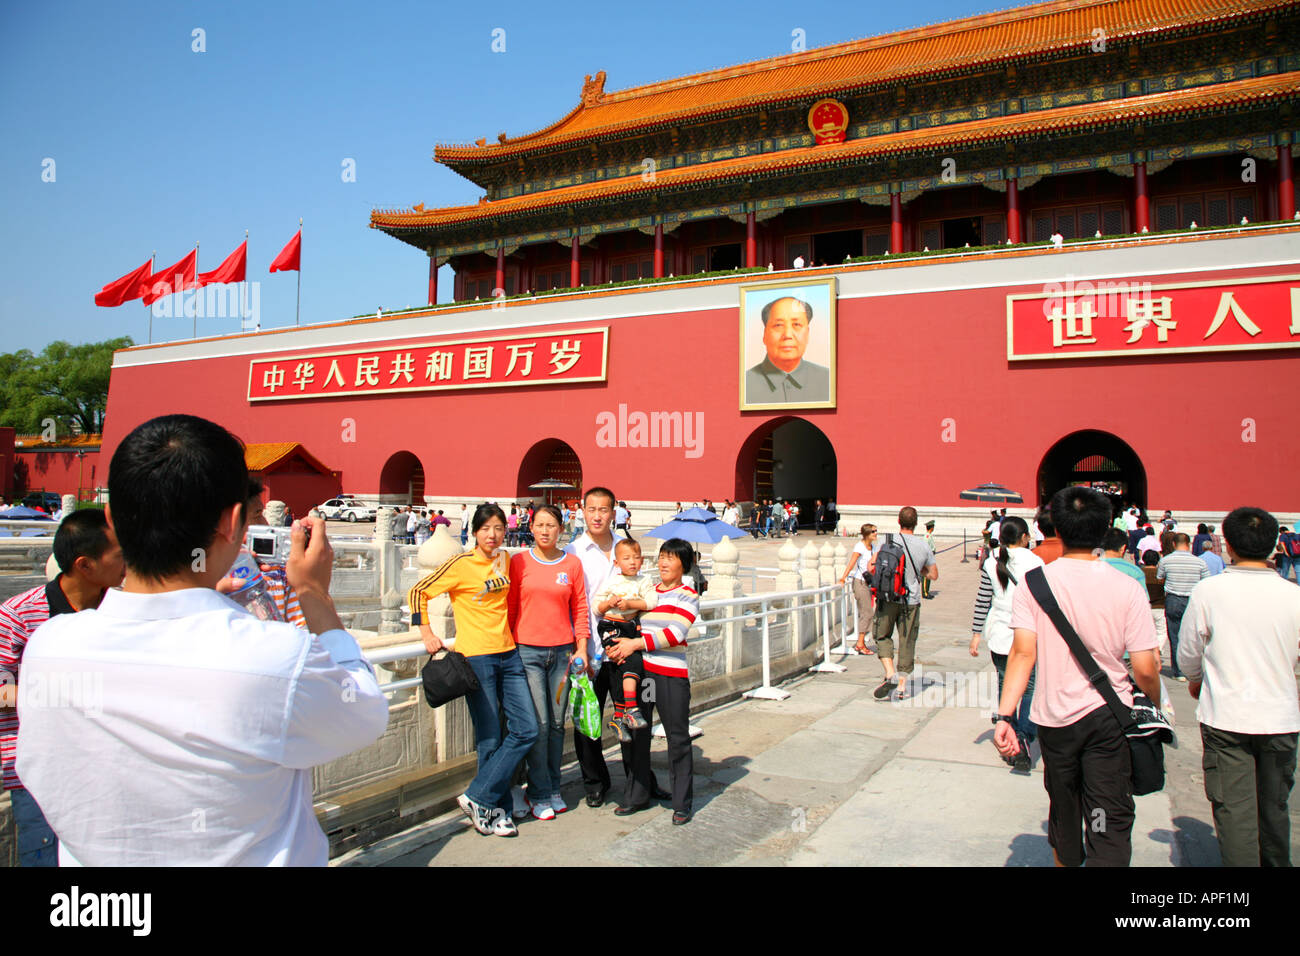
(196, 280)
(153, 264)
(243, 306)
(297, 312)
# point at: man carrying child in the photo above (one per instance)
(618, 604)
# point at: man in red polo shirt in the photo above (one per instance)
(90, 562)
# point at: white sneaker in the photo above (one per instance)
(520, 801)
(503, 826)
(542, 809)
(480, 817)
(557, 803)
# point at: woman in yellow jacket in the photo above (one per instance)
(478, 582)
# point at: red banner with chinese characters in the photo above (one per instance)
(568, 356)
(1117, 318)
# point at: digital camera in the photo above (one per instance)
(270, 545)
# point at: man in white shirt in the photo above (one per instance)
(191, 732)
(1237, 647)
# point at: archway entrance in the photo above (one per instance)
(549, 460)
(790, 459)
(1097, 459)
(402, 480)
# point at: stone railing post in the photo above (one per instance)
(809, 579)
(723, 585)
(388, 559)
(787, 579)
(453, 732)
(68, 504)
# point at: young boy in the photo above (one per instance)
(619, 603)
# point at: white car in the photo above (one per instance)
(346, 508)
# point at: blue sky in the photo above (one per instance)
(156, 146)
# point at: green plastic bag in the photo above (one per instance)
(586, 709)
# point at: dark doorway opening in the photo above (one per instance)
(958, 232)
(724, 257)
(1099, 460)
(832, 248)
(789, 459)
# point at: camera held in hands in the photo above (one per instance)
(269, 544)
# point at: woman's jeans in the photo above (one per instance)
(502, 688)
(1023, 725)
(547, 670)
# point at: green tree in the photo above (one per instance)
(66, 383)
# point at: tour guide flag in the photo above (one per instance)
(126, 288)
(166, 281)
(232, 270)
(290, 257)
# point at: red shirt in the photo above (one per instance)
(1051, 549)
(548, 601)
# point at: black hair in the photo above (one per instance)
(1081, 517)
(1150, 558)
(767, 309)
(1115, 540)
(682, 551)
(168, 483)
(1202, 528)
(1180, 538)
(83, 534)
(1045, 524)
(627, 542)
(602, 491)
(551, 510)
(1012, 530)
(485, 513)
(1251, 533)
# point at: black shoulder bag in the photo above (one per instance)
(1143, 725)
(447, 678)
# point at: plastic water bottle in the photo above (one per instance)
(253, 594)
(577, 666)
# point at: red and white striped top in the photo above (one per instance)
(19, 617)
(665, 628)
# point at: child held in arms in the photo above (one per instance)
(619, 603)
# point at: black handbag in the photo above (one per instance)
(447, 678)
(1143, 724)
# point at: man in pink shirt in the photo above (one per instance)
(1086, 761)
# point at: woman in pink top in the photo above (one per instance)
(548, 617)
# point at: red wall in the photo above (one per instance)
(906, 364)
(59, 471)
(7, 461)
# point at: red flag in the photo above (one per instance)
(290, 257)
(232, 270)
(126, 288)
(165, 281)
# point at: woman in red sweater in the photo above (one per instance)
(548, 616)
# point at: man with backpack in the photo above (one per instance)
(896, 574)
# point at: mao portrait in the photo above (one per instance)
(787, 345)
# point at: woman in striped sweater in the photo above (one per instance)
(663, 645)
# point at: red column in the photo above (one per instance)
(659, 250)
(501, 270)
(1285, 184)
(575, 265)
(751, 241)
(895, 223)
(433, 278)
(1141, 201)
(1013, 210)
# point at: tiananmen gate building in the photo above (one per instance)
(1046, 245)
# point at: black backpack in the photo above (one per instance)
(889, 580)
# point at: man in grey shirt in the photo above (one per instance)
(1181, 572)
(784, 377)
(918, 560)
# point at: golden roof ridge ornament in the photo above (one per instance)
(593, 91)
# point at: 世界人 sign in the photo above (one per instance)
(1109, 319)
(555, 357)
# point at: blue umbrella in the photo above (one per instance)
(20, 513)
(697, 525)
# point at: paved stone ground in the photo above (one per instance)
(831, 776)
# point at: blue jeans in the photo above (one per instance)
(1175, 607)
(1022, 724)
(547, 671)
(502, 687)
(1284, 562)
(37, 845)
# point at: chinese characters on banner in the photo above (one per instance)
(569, 356)
(1130, 318)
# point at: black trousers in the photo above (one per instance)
(671, 697)
(1248, 781)
(591, 753)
